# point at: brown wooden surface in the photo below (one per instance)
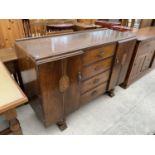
(145, 33)
(52, 98)
(72, 94)
(10, 30)
(143, 55)
(145, 23)
(14, 125)
(92, 55)
(92, 94)
(95, 81)
(96, 68)
(42, 48)
(7, 55)
(59, 86)
(122, 60)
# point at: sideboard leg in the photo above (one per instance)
(62, 124)
(111, 93)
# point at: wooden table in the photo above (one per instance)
(11, 96)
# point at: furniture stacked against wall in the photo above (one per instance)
(68, 71)
(11, 96)
(143, 59)
(10, 30)
(146, 23)
(9, 58)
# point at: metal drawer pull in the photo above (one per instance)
(79, 77)
(101, 54)
(94, 93)
(96, 68)
(96, 81)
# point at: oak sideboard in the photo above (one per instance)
(143, 59)
(62, 73)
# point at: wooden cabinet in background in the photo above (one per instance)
(143, 55)
(146, 23)
(10, 30)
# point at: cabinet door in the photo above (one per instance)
(52, 99)
(147, 60)
(72, 94)
(141, 63)
(123, 57)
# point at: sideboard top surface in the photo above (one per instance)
(45, 47)
(145, 33)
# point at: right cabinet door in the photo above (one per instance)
(123, 57)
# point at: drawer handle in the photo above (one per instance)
(101, 54)
(94, 93)
(95, 81)
(96, 68)
(79, 77)
(116, 60)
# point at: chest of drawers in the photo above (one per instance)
(61, 73)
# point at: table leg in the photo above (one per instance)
(14, 125)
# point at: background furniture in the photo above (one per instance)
(9, 58)
(10, 30)
(121, 28)
(62, 73)
(107, 24)
(59, 27)
(11, 96)
(83, 26)
(143, 57)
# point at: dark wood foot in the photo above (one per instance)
(62, 125)
(111, 93)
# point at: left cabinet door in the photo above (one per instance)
(72, 94)
(51, 98)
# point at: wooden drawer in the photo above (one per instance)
(90, 95)
(99, 53)
(95, 81)
(146, 46)
(96, 68)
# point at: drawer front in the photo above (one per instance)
(95, 81)
(90, 95)
(146, 46)
(96, 68)
(96, 54)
